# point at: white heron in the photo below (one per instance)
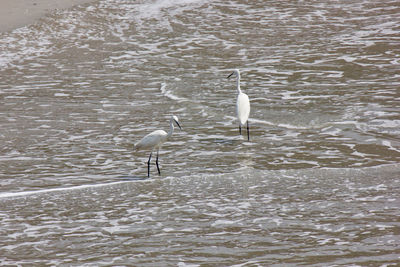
(155, 140)
(242, 105)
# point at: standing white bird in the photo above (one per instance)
(155, 140)
(242, 105)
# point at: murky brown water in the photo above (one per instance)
(318, 184)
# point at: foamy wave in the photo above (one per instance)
(27, 193)
(282, 125)
(153, 9)
(169, 94)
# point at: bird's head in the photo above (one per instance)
(236, 72)
(176, 120)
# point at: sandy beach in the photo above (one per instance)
(18, 13)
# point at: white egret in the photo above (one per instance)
(155, 140)
(242, 105)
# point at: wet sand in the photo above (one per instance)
(18, 13)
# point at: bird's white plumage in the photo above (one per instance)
(242, 108)
(155, 140)
(152, 140)
(158, 137)
(242, 103)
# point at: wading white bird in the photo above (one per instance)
(155, 140)
(242, 105)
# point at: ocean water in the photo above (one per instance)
(317, 184)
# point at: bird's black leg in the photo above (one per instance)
(240, 130)
(158, 168)
(148, 165)
(248, 133)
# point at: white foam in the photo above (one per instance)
(282, 125)
(153, 9)
(224, 222)
(79, 187)
(169, 94)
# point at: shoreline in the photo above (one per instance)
(18, 13)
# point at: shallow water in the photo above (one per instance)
(318, 183)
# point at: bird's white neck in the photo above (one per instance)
(238, 83)
(171, 128)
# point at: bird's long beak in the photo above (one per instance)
(230, 75)
(177, 123)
